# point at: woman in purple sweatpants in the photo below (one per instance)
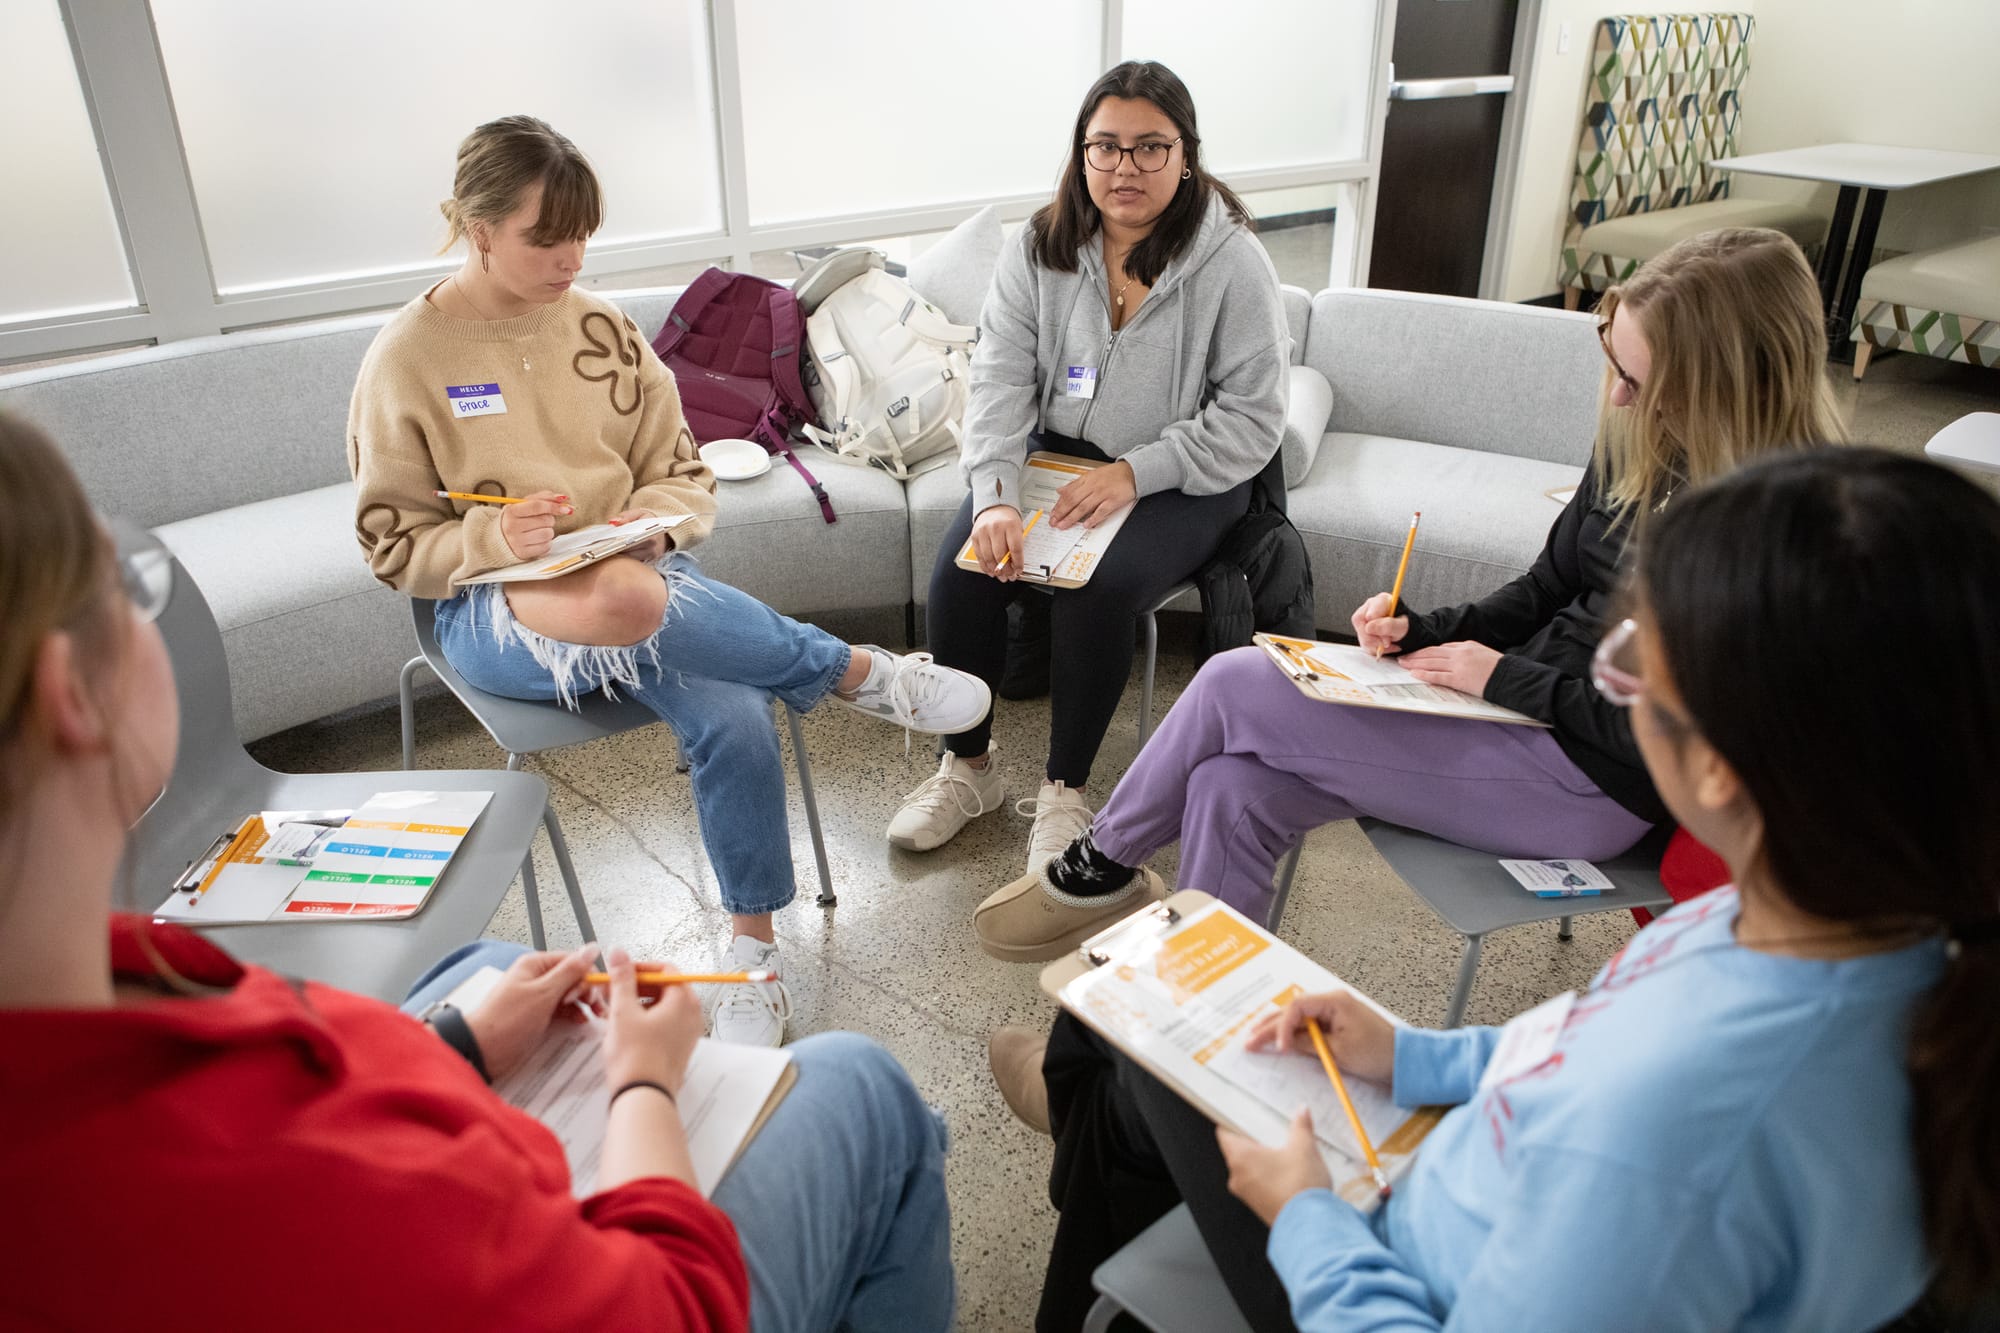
(1716, 353)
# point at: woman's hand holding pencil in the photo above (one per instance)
(1376, 630)
(1361, 1039)
(529, 527)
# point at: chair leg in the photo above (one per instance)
(680, 752)
(406, 694)
(826, 895)
(1288, 869)
(1466, 967)
(560, 846)
(1562, 928)
(1862, 351)
(1101, 1315)
(1146, 680)
(536, 935)
(536, 938)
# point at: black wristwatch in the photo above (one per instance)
(445, 1020)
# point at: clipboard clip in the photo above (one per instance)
(1099, 948)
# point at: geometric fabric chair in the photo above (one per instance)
(215, 783)
(1943, 302)
(1664, 97)
(522, 727)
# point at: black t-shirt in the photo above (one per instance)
(1547, 625)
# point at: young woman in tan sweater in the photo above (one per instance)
(506, 380)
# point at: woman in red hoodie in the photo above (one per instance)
(191, 1142)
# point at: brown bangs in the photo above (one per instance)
(572, 203)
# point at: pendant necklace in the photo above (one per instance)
(467, 298)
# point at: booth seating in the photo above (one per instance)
(1664, 99)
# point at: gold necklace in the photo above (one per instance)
(466, 296)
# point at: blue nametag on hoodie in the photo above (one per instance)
(1081, 382)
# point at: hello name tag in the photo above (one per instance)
(1081, 382)
(1528, 1041)
(475, 400)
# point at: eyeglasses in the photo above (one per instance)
(145, 567)
(1150, 156)
(1604, 341)
(1614, 667)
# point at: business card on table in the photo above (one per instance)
(1558, 879)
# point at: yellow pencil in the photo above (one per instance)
(1347, 1104)
(1402, 568)
(1032, 519)
(650, 978)
(469, 497)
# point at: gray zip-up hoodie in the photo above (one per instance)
(1191, 392)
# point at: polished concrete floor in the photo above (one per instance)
(896, 958)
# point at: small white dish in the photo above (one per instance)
(736, 460)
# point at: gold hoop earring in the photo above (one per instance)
(1186, 172)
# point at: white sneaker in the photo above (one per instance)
(916, 693)
(750, 1013)
(946, 802)
(1060, 817)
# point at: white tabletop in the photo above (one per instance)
(1873, 166)
(1971, 441)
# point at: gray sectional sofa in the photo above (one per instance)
(231, 447)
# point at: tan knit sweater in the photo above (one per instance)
(590, 412)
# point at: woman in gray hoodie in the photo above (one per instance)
(1136, 323)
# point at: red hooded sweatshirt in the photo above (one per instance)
(287, 1156)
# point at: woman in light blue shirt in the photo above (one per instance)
(1774, 1108)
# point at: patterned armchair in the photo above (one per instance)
(1943, 302)
(1664, 98)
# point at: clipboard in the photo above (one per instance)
(1042, 476)
(1193, 943)
(1339, 673)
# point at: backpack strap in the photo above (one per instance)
(701, 294)
(787, 346)
(930, 325)
(770, 432)
(842, 380)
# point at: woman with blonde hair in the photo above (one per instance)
(247, 1150)
(1715, 354)
(505, 379)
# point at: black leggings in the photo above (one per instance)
(1166, 538)
(1128, 1150)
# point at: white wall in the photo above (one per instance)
(1921, 73)
(1915, 72)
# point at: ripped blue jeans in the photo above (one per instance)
(711, 671)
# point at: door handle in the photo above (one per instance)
(1429, 90)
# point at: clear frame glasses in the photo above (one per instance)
(145, 567)
(1149, 157)
(1614, 667)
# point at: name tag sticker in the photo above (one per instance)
(1528, 1041)
(1081, 382)
(475, 400)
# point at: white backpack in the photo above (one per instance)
(887, 372)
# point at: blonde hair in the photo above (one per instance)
(1738, 343)
(496, 165)
(55, 571)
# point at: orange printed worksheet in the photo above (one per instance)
(1341, 673)
(1178, 988)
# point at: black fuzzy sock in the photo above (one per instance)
(1084, 872)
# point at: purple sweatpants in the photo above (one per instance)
(1244, 765)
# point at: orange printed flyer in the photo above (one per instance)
(381, 864)
(1180, 996)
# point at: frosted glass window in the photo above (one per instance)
(908, 103)
(1276, 83)
(321, 137)
(57, 229)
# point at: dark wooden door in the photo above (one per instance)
(1440, 144)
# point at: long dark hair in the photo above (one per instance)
(1790, 599)
(1061, 226)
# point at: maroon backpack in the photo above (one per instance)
(733, 343)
